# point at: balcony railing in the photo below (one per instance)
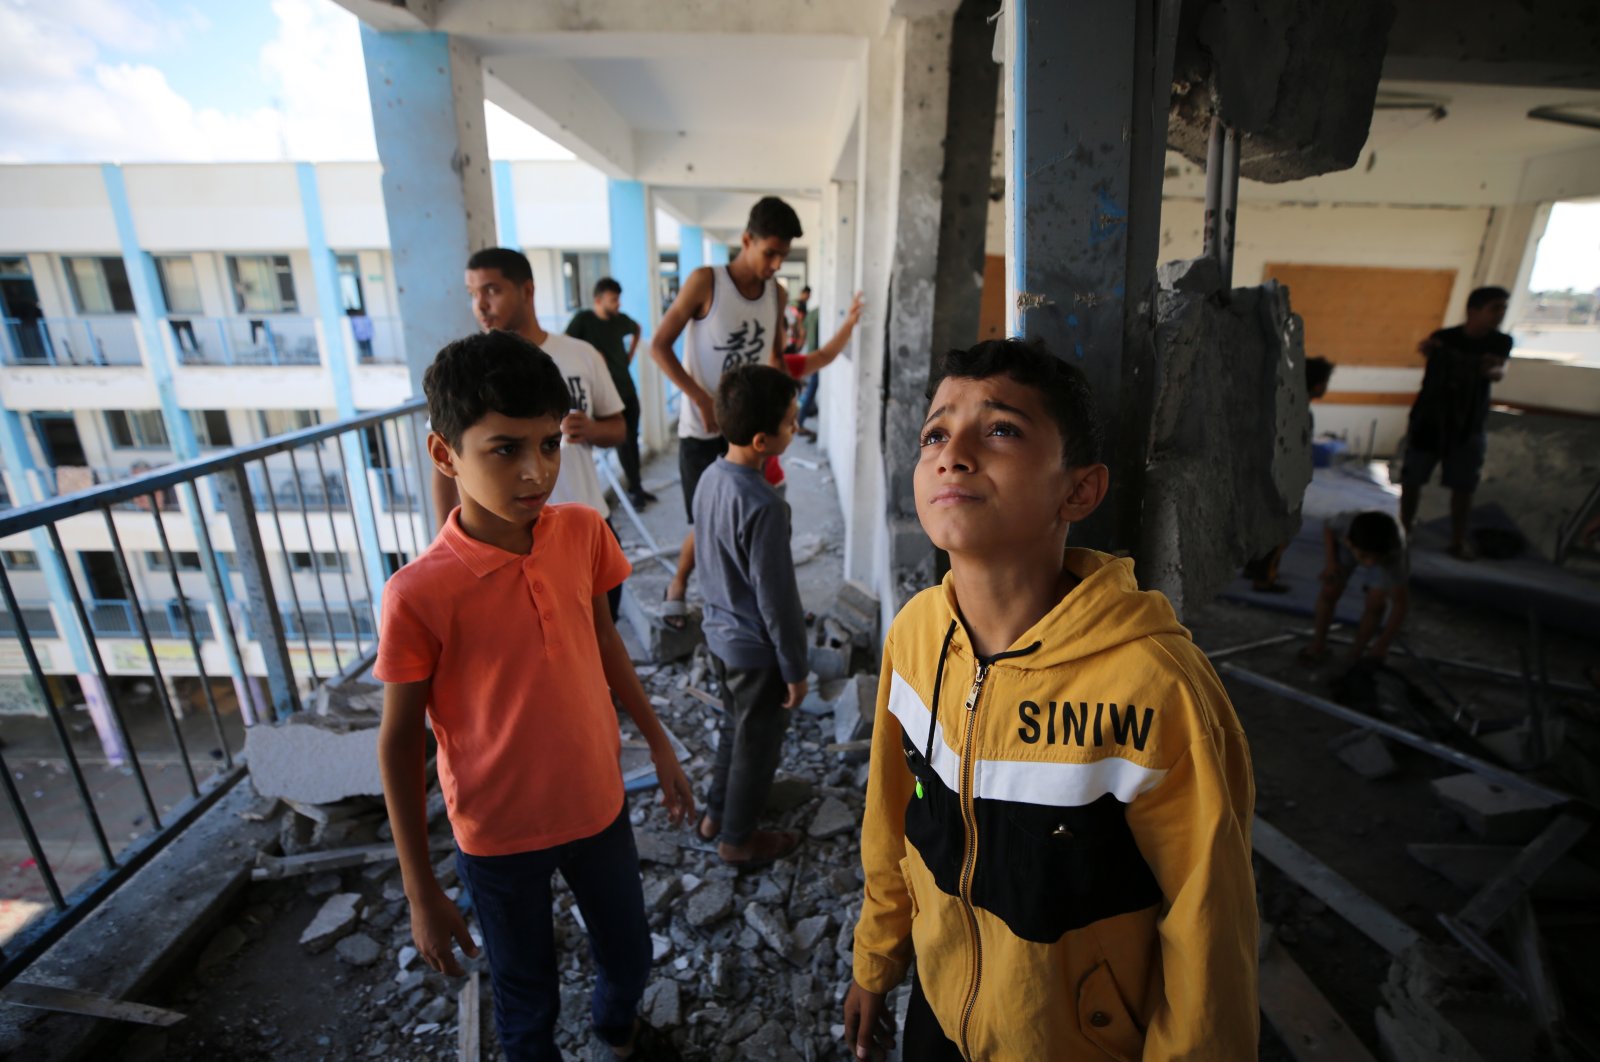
(306, 630)
(109, 339)
(69, 479)
(268, 339)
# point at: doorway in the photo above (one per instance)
(100, 572)
(20, 310)
(58, 438)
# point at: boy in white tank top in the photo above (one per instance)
(734, 315)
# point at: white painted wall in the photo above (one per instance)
(60, 209)
(352, 205)
(561, 205)
(239, 208)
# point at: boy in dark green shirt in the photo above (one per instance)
(616, 336)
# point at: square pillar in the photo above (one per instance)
(427, 116)
(634, 265)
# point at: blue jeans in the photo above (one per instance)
(808, 397)
(512, 896)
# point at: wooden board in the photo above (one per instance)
(992, 308)
(1302, 1017)
(1363, 315)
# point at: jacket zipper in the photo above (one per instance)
(969, 820)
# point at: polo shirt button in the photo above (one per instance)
(549, 617)
(1099, 1019)
(538, 588)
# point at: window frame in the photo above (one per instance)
(135, 428)
(99, 261)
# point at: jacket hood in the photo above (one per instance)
(1105, 610)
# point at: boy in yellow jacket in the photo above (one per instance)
(1058, 810)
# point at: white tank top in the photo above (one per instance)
(737, 331)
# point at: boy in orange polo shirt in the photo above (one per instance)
(500, 632)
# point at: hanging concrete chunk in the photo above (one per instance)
(311, 763)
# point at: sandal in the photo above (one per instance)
(674, 612)
(766, 848)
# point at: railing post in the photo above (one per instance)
(265, 620)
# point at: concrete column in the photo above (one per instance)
(505, 206)
(98, 702)
(1069, 106)
(151, 309)
(837, 392)
(634, 265)
(325, 275)
(427, 114)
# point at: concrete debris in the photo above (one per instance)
(832, 819)
(770, 927)
(336, 918)
(1495, 813)
(854, 709)
(662, 1005)
(829, 661)
(312, 763)
(1365, 753)
(788, 793)
(358, 949)
(808, 931)
(710, 904)
(653, 848)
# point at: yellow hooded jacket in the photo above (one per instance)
(1060, 834)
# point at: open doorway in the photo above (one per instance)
(58, 438)
(20, 310)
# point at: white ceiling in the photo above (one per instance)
(736, 91)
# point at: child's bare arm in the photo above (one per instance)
(436, 922)
(824, 355)
(676, 794)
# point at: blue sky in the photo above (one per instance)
(218, 58)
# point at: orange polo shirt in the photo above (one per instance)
(528, 742)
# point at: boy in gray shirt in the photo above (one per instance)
(754, 622)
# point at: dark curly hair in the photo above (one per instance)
(1063, 386)
(491, 372)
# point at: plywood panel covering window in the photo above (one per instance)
(1359, 315)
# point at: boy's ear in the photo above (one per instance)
(1089, 487)
(441, 454)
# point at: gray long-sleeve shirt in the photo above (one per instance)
(753, 614)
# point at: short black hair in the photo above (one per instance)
(771, 216)
(1318, 372)
(491, 372)
(513, 265)
(1376, 533)
(1063, 386)
(806, 290)
(605, 284)
(753, 399)
(1484, 296)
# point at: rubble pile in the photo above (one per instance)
(749, 965)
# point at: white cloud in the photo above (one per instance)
(61, 100)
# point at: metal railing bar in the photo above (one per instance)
(388, 484)
(405, 472)
(33, 940)
(194, 639)
(92, 642)
(333, 529)
(355, 528)
(219, 594)
(424, 462)
(150, 649)
(316, 565)
(60, 726)
(294, 591)
(40, 860)
(28, 517)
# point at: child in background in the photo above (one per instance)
(1373, 544)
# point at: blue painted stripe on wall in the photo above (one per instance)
(325, 277)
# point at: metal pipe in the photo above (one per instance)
(64, 738)
(92, 642)
(344, 565)
(422, 500)
(219, 594)
(355, 526)
(1277, 639)
(149, 646)
(1229, 214)
(1213, 223)
(40, 860)
(1508, 778)
(294, 591)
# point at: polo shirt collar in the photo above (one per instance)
(480, 558)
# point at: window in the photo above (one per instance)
(187, 561)
(136, 429)
(14, 266)
(211, 428)
(275, 422)
(328, 562)
(579, 271)
(20, 560)
(99, 285)
(262, 283)
(179, 286)
(350, 296)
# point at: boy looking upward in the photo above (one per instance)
(734, 317)
(616, 336)
(755, 625)
(1450, 417)
(1058, 807)
(501, 634)
(1373, 543)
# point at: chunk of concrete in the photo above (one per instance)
(1365, 753)
(306, 762)
(832, 819)
(788, 793)
(854, 709)
(829, 661)
(770, 927)
(709, 904)
(653, 848)
(662, 1004)
(358, 949)
(1493, 812)
(336, 918)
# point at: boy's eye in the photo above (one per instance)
(507, 450)
(932, 436)
(552, 445)
(1004, 428)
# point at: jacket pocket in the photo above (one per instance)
(1104, 1019)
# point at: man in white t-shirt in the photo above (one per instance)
(500, 284)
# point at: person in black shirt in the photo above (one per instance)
(616, 336)
(1450, 416)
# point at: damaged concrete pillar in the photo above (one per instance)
(438, 196)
